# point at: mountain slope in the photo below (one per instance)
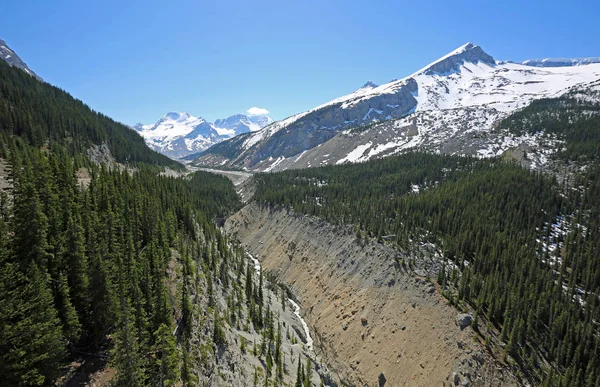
(11, 57)
(516, 247)
(463, 93)
(180, 134)
(46, 116)
(477, 131)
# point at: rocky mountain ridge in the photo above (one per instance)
(464, 93)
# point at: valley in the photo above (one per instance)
(438, 229)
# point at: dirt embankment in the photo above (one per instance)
(371, 317)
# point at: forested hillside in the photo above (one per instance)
(573, 118)
(45, 115)
(519, 249)
(120, 276)
(84, 270)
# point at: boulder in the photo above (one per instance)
(463, 320)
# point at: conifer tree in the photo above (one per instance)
(31, 343)
(167, 357)
(126, 356)
(299, 373)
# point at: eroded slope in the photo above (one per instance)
(370, 314)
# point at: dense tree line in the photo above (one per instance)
(571, 118)
(43, 115)
(492, 221)
(85, 268)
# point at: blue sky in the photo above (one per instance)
(137, 60)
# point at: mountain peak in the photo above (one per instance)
(177, 116)
(242, 123)
(450, 63)
(11, 57)
(369, 85)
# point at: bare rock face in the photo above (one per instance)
(366, 105)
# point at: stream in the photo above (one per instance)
(309, 340)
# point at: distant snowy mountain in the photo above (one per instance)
(450, 106)
(241, 123)
(560, 62)
(13, 59)
(180, 134)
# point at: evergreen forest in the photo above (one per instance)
(518, 247)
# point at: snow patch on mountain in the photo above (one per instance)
(356, 154)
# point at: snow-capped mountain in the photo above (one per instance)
(10, 57)
(241, 123)
(560, 62)
(180, 134)
(461, 95)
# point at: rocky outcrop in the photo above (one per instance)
(237, 361)
(368, 312)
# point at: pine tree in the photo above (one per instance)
(76, 262)
(31, 343)
(167, 357)
(307, 372)
(66, 311)
(126, 356)
(283, 299)
(299, 376)
(187, 376)
(260, 289)
(248, 287)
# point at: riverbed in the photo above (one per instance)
(297, 310)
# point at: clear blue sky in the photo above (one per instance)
(137, 60)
